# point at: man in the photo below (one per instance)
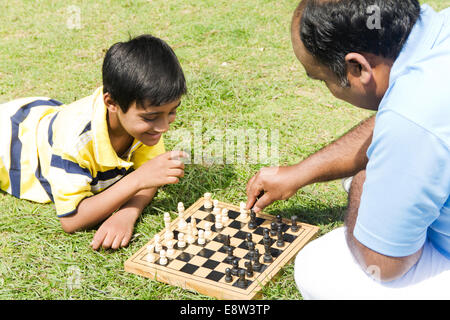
(394, 57)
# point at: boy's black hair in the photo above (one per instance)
(144, 69)
(330, 29)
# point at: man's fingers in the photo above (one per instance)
(126, 239)
(178, 155)
(98, 239)
(176, 173)
(254, 190)
(262, 202)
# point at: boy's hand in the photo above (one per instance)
(164, 169)
(116, 231)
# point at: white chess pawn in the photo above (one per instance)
(170, 251)
(224, 215)
(208, 203)
(208, 231)
(216, 211)
(201, 237)
(218, 223)
(150, 255)
(162, 258)
(181, 243)
(158, 245)
(243, 211)
(180, 208)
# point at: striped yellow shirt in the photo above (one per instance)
(62, 153)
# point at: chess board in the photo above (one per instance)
(201, 268)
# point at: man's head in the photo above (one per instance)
(143, 83)
(352, 44)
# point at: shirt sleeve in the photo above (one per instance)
(70, 184)
(145, 153)
(407, 184)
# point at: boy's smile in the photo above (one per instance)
(144, 123)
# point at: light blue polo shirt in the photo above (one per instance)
(405, 196)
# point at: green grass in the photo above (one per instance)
(241, 73)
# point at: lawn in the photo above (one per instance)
(241, 75)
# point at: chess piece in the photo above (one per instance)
(267, 255)
(256, 264)
(225, 215)
(194, 226)
(251, 249)
(218, 224)
(227, 241)
(252, 223)
(280, 240)
(273, 229)
(228, 276)
(181, 223)
(235, 269)
(248, 238)
(294, 226)
(279, 220)
(208, 203)
(242, 281)
(170, 251)
(162, 258)
(168, 234)
(190, 238)
(150, 253)
(158, 244)
(201, 237)
(208, 231)
(230, 257)
(249, 266)
(181, 243)
(243, 211)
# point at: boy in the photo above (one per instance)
(102, 154)
(396, 240)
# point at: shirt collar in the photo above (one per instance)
(105, 155)
(421, 39)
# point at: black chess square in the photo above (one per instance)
(205, 253)
(237, 225)
(240, 235)
(233, 214)
(211, 264)
(189, 268)
(215, 275)
(184, 256)
(288, 237)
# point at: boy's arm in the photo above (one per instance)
(117, 230)
(161, 170)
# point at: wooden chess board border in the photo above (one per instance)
(138, 265)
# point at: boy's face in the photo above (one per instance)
(148, 123)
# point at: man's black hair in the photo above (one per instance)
(144, 69)
(330, 29)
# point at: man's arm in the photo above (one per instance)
(379, 266)
(343, 158)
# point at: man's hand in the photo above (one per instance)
(116, 231)
(164, 169)
(271, 184)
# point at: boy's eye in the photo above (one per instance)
(149, 119)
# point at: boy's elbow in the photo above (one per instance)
(67, 226)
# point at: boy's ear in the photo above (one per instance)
(110, 104)
(358, 68)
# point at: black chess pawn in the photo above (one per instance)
(235, 269)
(228, 276)
(256, 264)
(266, 232)
(251, 249)
(248, 238)
(230, 257)
(294, 226)
(273, 229)
(280, 240)
(249, 266)
(242, 281)
(279, 219)
(227, 241)
(252, 223)
(267, 255)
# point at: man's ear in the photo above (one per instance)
(110, 103)
(358, 68)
